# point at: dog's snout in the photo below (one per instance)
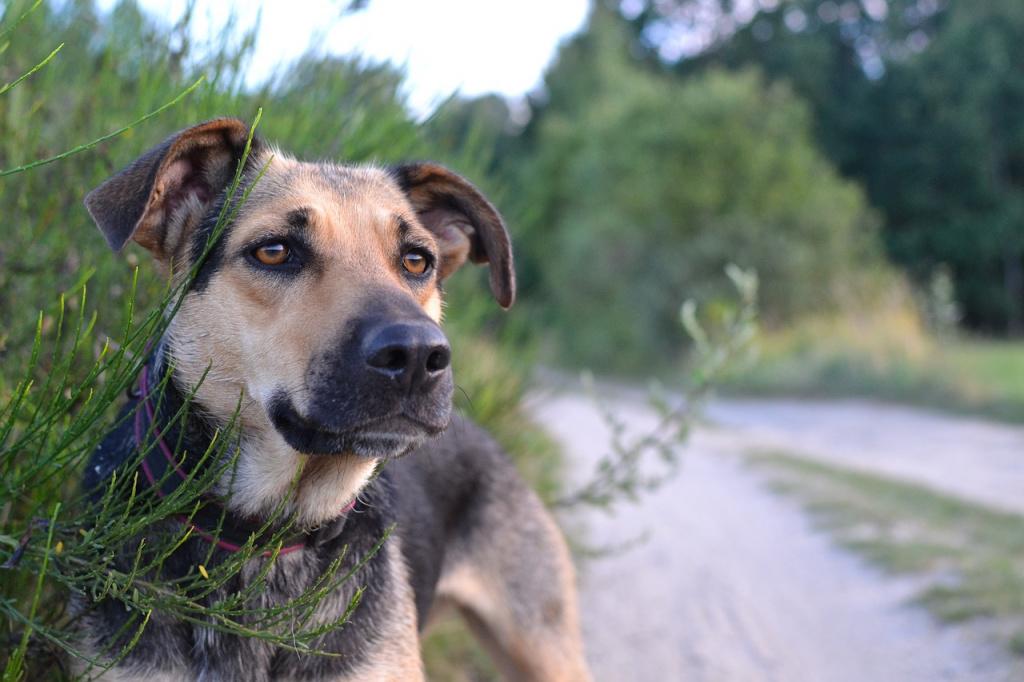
(412, 353)
(386, 385)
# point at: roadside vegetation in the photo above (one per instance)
(895, 361)
(633, 186)
(969, 558)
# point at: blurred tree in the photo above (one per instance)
(635, 189)
(917, 99)
(478, 127)
(947, 160)
(830, 51)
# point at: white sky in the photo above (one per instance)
(473, 47)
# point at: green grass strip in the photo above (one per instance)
(971, 557)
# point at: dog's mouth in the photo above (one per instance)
(389, 436)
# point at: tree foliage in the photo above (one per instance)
(949, 162)
(829, 51)
(633, 186)
(915, 99)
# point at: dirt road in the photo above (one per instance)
(971, 458)
(734, 584)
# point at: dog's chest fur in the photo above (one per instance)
(385, 618)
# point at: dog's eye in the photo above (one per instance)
(272, 253)
(416, 261)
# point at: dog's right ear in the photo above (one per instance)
(161, 196)
(464, 222)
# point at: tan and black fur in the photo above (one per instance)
(339, 363)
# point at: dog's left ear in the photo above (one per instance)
(464, 223)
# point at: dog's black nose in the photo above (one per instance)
(414, 354)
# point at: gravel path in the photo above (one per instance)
(731, 583)
(971, 458)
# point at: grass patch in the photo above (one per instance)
(970, 557)
(451, 653)
(886, 355)
(988, 368)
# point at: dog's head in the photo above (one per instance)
(319, 306)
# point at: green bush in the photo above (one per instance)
(637, 189)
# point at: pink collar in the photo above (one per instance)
(171, 461)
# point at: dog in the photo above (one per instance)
(314, 322)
